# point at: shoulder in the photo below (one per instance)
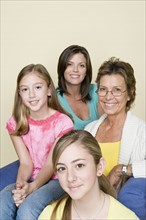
(93, 89)
(93, 126)
(134, 118)
(47, 212)
(119, 211)
(63, 116)
(135, 123)
(11, 124)
(59, 93)
(62, 122)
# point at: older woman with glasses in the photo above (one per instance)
(121, 135)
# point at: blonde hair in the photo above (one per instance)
(88, 142)
(20, 111)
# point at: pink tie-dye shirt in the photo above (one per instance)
(41, 136)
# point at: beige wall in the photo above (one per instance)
(38, 31)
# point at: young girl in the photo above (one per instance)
(37, 122)
(79, 165)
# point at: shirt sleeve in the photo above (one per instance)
(11, 125)
(63, 125)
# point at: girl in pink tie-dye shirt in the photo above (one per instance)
(37, 122)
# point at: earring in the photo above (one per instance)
(99, 173)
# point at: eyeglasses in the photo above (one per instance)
(115, 92)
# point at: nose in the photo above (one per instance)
(71, 177)
(109, 95)
(31, 93)
(75, 68)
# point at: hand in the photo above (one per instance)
(20, 193)
(18, 197)
(115, 174)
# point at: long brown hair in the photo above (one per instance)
(85, 139)
(20, 111)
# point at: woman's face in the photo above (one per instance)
(76, 69)
(111, 104)
(77, 172)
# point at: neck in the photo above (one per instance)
(41, 115)
(112, 120)
(83, 210)
(73, 90)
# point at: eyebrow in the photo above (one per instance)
(33, 84)
(74, 161)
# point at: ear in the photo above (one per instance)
(49, 91)
(101, 166)
(128, 98)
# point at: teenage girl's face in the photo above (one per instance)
(77, 172)
(111, 104)
(76, 69)
(34, 92)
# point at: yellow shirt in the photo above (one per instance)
(117, 211)
(110, 152)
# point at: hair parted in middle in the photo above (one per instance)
(20, 111)
(62, 64)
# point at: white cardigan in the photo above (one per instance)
(133, 142)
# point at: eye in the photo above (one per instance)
(60, 169)
(82, 65)
(80, 165)
(23, 90)
(102, 89)
(116, 90)
(38, 87)
(69, 64)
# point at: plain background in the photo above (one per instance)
(38, 31)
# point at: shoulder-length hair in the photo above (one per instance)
(62, 64)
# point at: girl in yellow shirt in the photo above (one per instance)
(79, 166)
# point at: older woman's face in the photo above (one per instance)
(111, 103)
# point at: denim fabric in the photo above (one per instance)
(8, 174)
(133, 196)
(33, 205)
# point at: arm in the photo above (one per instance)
(25, 168)
(115, 174)
(133, 145)
(46, 172)
(44, 175)
(26, 165)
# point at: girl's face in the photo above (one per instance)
(111, 104)
(34, 92)
(76, 69)
(77, 172)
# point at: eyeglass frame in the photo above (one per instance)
(111, 93)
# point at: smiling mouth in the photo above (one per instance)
(33, 103)
(74, 187)
(74, 76)
(110, 104)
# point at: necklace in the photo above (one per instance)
(94, 217)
